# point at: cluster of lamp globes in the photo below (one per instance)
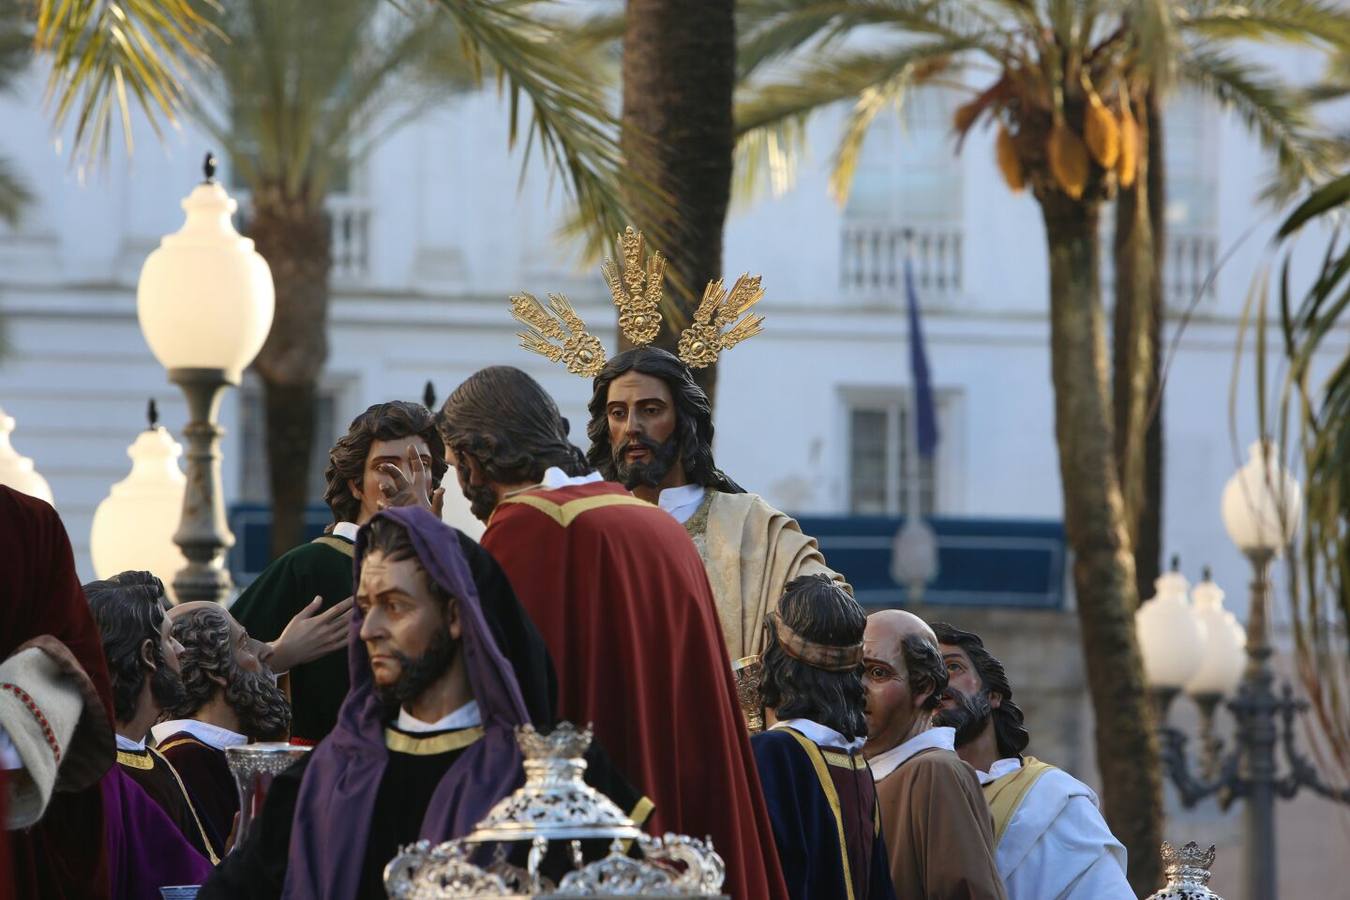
(1189, 642)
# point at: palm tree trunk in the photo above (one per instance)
(679, 73)
(1094, 521)
(1136, 349)
(294, 238)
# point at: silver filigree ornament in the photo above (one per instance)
(1187, 871)
(555, 804)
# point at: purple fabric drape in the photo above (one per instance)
(337, 795)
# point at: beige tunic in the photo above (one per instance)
(751, 552)
(938, 830)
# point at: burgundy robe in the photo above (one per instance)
(621, 597)
(206, 775)
(63, 855)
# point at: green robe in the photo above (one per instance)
(324, 568)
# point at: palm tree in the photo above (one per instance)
(295, 103)
(1069, 78)
(679, 80)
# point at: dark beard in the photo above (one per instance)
(416, 675)
(166, 687)
(970, 716)
(650, 473)
(263, 710)
(482, 498)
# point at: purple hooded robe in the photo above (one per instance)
(337, 795)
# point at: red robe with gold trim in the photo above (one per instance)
(621, 597)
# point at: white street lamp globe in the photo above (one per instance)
(17, 471)
(1171, 638)
(205, 298)
(1261, 502)
(134, 525)
(1224, 655)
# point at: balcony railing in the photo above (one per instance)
(872, 264)
(1190, 261)
(349, 230)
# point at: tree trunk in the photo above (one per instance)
(1094, 521)
(1150, 545)
(1136, 340)
(679, 74)
(294, 238)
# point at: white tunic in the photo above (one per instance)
(1057, 845)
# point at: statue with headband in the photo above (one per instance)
(651, 429)
(816, 782)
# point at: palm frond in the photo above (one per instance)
(569, 117)
(107, 54)
(1290, 21)
(1269, 108)
(774, 29)
(1318, 416)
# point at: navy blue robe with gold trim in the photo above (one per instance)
(823, 806)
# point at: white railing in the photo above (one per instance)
(872, 264)
(1190, 262)
(349, 231)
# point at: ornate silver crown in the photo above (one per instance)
(555, 804)
(1187, 873)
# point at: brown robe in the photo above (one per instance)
(938, 830)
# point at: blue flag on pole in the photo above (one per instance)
(926, 430)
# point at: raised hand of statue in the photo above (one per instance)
(311, 634)
(410, 488)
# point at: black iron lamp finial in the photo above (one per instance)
(152, 414)
(1176, 563)
(429, 395)
(1206, 574)
(209, 167)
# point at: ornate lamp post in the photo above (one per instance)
(1261, 505)
(134, 525)
(205, 303)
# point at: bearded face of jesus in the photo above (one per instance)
(642, 420)
(411, 632)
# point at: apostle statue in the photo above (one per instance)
(816, 782)
(142, 659)
(937, 826)
(1051, 840)
(442, 663)
(279, 600)
(230, 697)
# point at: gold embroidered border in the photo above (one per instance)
(135, 760)
(346, 548)
(831, 795)
(566, 513)
(429, 746)
(187, 798)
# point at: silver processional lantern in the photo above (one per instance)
(555, 805)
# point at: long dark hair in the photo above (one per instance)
(502, 418)
(818, 609)
(129, 610)
(382, 422)
(1009, 731)
(693, 417)
(924, 669)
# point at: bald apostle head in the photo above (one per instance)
(904, 677)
